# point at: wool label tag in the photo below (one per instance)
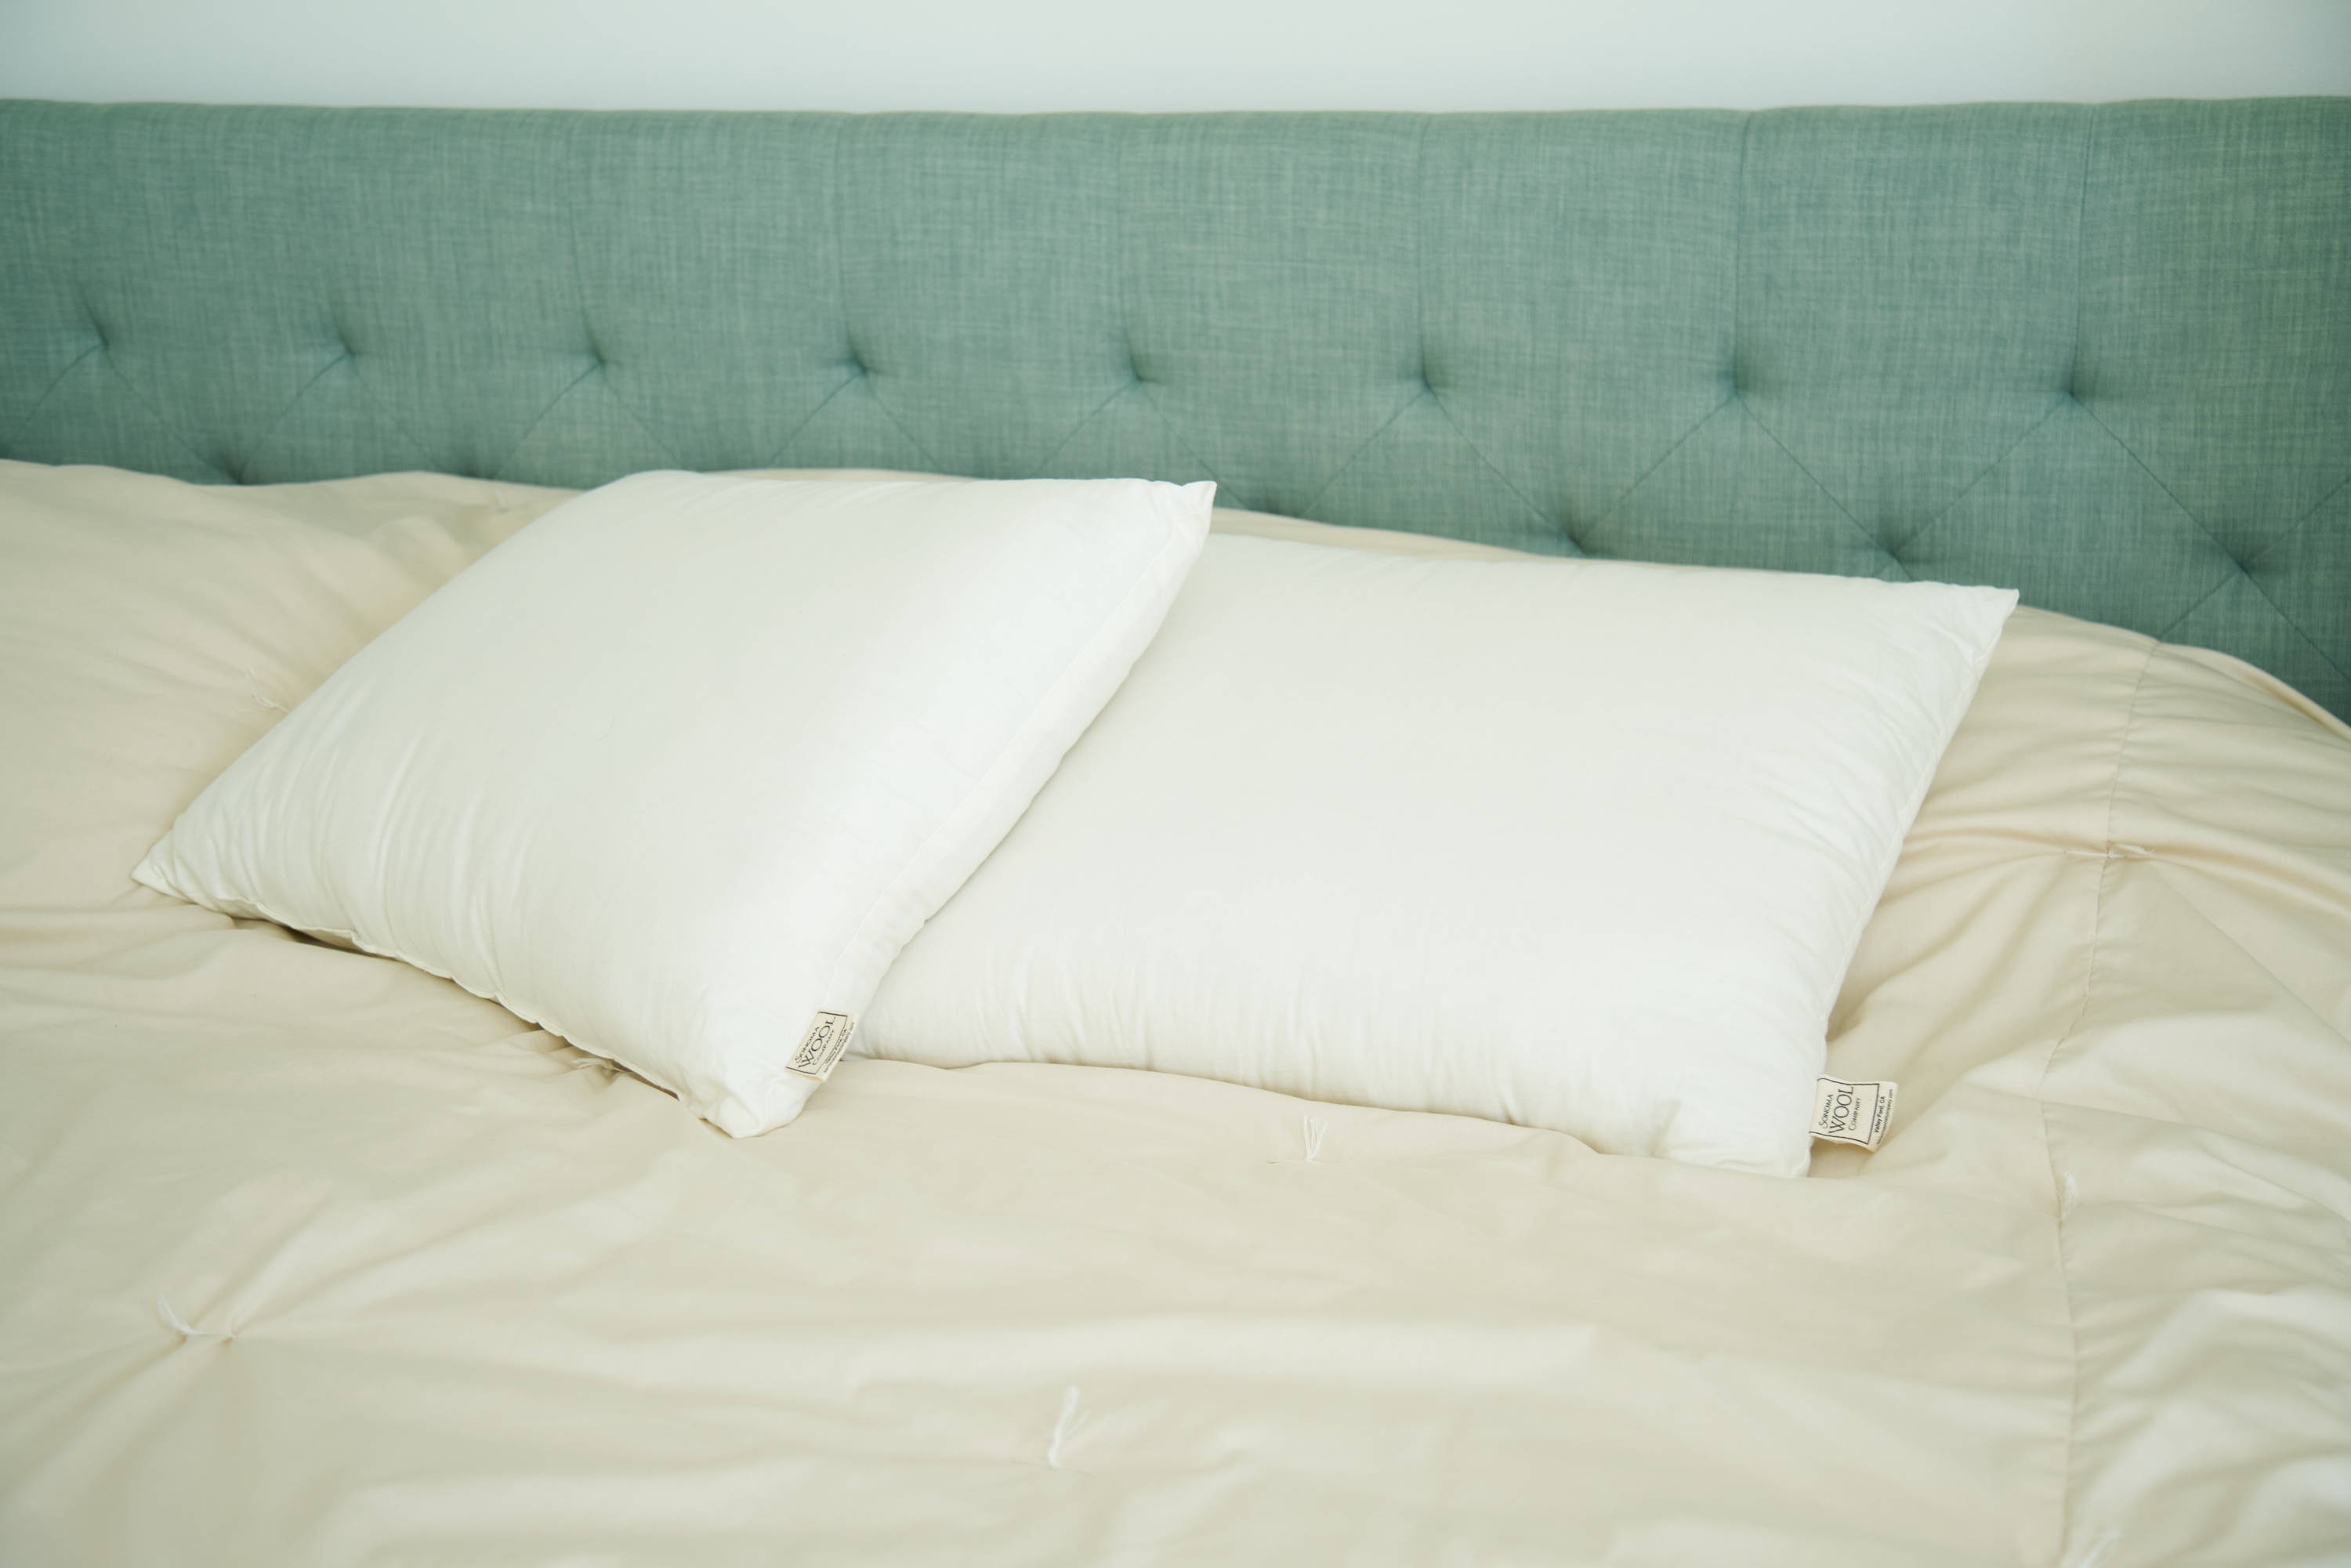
(1851, 1112)
(821, 1048)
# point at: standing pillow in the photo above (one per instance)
(1578, 845)
(679, 769)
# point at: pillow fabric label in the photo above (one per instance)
(1851, 1112)
(821, 1048)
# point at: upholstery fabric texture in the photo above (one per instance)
(2099, 355)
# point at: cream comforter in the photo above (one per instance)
(310, 1258)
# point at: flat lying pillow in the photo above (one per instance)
(677, 769)
(1577, 845)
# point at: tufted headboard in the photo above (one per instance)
(2099, 354)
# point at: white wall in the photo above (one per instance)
(1168, 54)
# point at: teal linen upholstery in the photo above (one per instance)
(2102, 355)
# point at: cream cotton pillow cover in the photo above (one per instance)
(676, 770)
(1580, 845)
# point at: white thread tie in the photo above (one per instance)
(1061, 1426)
(178, 1324)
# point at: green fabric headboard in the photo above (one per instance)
(2102, 355)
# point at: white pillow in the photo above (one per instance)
(1577, 845)
(676, 770)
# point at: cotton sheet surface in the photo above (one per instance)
(309, 1257)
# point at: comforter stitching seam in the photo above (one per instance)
(2041, 1099)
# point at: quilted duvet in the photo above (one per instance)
(308, 1257)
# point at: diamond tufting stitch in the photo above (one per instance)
(1822, 340)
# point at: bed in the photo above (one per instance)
(307, 1256)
